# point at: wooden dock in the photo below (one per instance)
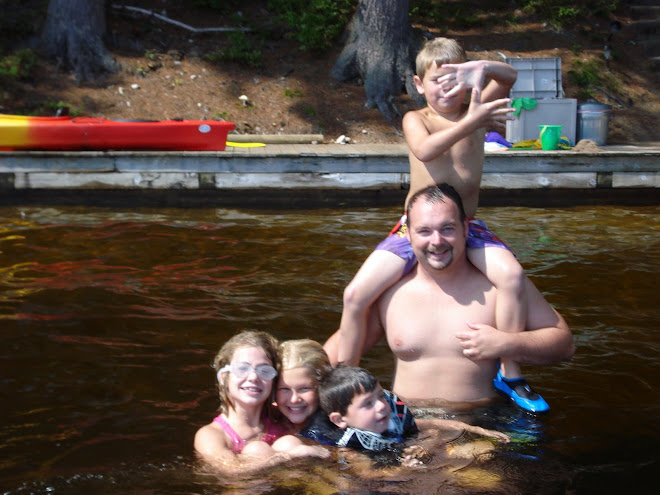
(313, 175)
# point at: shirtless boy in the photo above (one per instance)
(446, 145)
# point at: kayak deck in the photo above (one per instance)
(19, 132)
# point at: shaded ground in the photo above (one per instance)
(165, 74)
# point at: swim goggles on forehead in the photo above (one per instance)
(242, 370)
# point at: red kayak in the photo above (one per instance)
(18, 132)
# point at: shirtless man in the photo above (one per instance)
(439, 320)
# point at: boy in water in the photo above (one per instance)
(446, 144)
(356, 412)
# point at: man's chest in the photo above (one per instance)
(421, 323)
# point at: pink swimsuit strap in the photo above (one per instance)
(272, 433)
(237, 442)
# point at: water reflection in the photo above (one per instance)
(110, 320)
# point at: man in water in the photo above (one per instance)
(439, 319)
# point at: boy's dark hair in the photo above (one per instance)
(433, 194)
(341, 385)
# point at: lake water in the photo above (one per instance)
(110, 319)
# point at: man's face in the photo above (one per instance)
(436, 233)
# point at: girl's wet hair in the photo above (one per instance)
(305, 353)
(341, 385)
(441, 51)
(247, 338)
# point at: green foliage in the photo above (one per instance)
(510, 19)
(467, 14)
(18, 66)
(566, 15)
(293, 93)
(314, 24)
(51, 107)
(602, 7)
(309, 111)
(562, 13)
(587, 75)
(462, 15)
(241, 49)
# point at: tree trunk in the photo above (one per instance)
(73, 34)
(381, 50)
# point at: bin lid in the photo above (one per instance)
(592, 106)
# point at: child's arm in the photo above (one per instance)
(427, 145)
(473, 75)
(450, 424)
(374, 334)
(379, 271)
(212, 447)
(295, 447)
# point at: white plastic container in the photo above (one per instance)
(558, 111)
(537, 78)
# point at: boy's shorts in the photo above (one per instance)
(397, 242)
(480, 237)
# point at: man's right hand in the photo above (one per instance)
(482, 341)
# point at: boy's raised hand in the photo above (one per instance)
(491, 115)
(463, 77)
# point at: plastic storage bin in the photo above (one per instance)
(537, 78)
(593, 120)
(558, 111)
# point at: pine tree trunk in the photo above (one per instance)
(381, 50)
(73, 34)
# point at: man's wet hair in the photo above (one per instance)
(341, 385)
(436, 193)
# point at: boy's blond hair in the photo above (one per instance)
(441, 51)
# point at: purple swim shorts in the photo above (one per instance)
(397, 242)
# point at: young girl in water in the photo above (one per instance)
(244, 436)
(304, 364)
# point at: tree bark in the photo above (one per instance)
(73, 34)
(381, 50)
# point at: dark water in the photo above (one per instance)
(110, 319)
